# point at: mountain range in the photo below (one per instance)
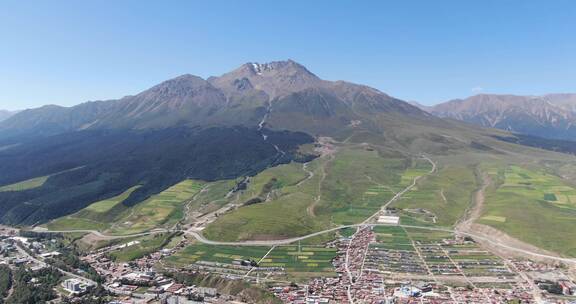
(234, 125)
(4, 114)
(549, 116)
(241, 98)
(226, 127)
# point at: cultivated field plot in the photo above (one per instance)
(420, 252)
(163, 209)
(213, 253)
(296, 261)
(301, 259)
(533, 206)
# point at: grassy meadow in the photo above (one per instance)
(345, 188)
(534, 206)
(446, 194)
(25, 185)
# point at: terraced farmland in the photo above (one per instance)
(163, 209)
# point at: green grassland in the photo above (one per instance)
(301, 259)
(106, 205)
(272, 179)
(345, 189)
(91, 217)
(285, 215)
(358, 182)
(520, 203)
(213, 196)
(26, 185)
(32, 183)
(446, 194)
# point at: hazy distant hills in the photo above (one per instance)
(551, 116)
(4, 114)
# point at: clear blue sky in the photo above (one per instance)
(67, 52)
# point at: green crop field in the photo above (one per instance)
(212, 253)
(520, 203)
(301, 259)
(296, 260)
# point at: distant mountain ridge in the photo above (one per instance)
(240, 97)
(549, 116)
(4, 114)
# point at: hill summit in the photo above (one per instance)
(241, 97)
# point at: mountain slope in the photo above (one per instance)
(4, 114)
(239, 98)
(230, 126)
(552, 116)
(359, 146)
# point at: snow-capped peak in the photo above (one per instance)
(257, 68)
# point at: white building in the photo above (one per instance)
(388, 220)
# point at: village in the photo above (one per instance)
(415, 267)
(367, 272)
